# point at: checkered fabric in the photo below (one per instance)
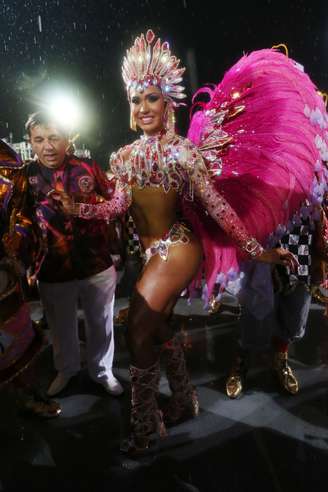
(300, 242)
(133, 243)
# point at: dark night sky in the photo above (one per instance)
(79, 44)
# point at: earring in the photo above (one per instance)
(169, 119)
(133, 124)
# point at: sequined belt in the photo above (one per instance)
(178, 233)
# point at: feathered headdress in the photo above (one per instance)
(147, 63)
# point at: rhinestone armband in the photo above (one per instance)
(83, 210)
(253, 248)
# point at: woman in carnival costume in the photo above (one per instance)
(20, 338)
(243, 172)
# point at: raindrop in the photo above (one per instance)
(39, 23)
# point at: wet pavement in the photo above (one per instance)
(265, 440)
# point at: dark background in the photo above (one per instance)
(79, 45)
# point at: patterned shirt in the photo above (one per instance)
(299, 242)
(76, 248)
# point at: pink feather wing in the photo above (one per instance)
(258, 134)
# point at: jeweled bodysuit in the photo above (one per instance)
(161, 171)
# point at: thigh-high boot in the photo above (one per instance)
(146, 418)
(183, 402)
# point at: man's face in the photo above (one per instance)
(49, 144)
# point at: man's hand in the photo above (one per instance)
(11, 243)
(65, 201)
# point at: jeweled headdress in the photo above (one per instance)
(147, 64)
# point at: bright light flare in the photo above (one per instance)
(66, 110)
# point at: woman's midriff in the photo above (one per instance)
(154, 212)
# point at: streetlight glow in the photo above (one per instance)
(65, 110)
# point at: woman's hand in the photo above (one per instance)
(279, 256)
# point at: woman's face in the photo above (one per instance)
(148, 108)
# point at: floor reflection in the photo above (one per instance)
(264, 440)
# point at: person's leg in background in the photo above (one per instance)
(97, 295)
(254, 336)
(59, 301)
(256, 324)
(292, 313)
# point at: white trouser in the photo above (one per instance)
(60, 302)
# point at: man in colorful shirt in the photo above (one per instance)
(77, 266)
(20, 339)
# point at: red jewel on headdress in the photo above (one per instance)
(165, 46)
(150, 36)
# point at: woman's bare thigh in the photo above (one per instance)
(161, 282)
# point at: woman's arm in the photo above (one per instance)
(113, 199)
(106, 210)
(226, 217)
(214, 203)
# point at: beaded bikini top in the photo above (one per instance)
(174, 163)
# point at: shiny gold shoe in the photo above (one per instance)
(235, 380)
(285, 375)
(46, 409)
(234, 385)
(122, 316)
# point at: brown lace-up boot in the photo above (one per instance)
(146, 418)
(183, 403)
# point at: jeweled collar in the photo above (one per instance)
(157, 137)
